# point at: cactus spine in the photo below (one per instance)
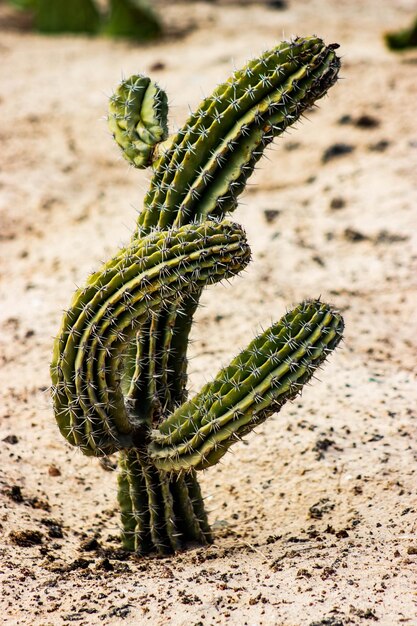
(119, 361)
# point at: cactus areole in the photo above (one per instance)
(119, 361)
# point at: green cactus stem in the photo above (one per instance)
(403, 39)
(138, 116)
(66, 16)
(132, 18)
(119, 366)
(214, 153)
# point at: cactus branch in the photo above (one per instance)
(269, 372)
(87, 367)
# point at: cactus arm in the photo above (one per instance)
(268, 373)
(104, 317)
(177, 361)
(230, 129)
(138, 119)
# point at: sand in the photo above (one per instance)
(315, 517)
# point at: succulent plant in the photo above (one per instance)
(121, 18)
(132, 18)
(119, 362)
(403, 39)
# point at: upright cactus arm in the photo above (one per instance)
(160, 376)
(87, 365)
(210, 159)
(269, 372)
(138, 113)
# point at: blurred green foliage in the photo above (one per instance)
(124, 18)
(403, 39)
(132, 18)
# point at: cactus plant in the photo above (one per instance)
(402, 39)
(71, 16)
(119, 361)
(132, 18)
(123, 18)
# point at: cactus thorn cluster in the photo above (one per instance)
(119, 362)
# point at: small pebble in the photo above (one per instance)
(337, 203)
(336, 150)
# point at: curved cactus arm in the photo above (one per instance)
(158, 510)
(210, 159)
(138, 119)
(89, 353)
(269, 372)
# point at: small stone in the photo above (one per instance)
(277, 4)
(317, 510)
(105, 565)
(11, 440)
(271, 215)
(54, 529)
(379, 146)
(345, 119)
(88, 545)
(318, 259)
(366, 121)
(337, 203)
(15, 493)
(354, 236)
(54, 471)
(78, 564)
(336, 150)
(157, 66)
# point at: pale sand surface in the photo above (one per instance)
(67, 201)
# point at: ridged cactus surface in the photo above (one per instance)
(91, 378)
(272, 370)
(138, 119)
(119, 361)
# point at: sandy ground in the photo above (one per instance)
(315, 517)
